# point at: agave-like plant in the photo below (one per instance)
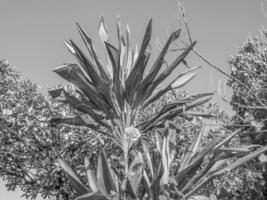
(112, 94)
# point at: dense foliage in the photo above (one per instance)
(249, 99)
(29, 145)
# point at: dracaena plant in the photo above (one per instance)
(111, 93)
(108, 98)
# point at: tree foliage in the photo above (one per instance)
(249, 67)
(29, 145)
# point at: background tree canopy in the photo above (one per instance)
(249, 67)
(29, 145)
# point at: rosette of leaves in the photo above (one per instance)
(112, 93)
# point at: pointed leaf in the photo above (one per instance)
(92, 196)
(62, 95)
(168, 87)
(183, 80)
(105, 180)
(155, 67)
(241, 160)
(87, 65)
(147, 153)
(76, 76)
(135, 77)
(75, 181)
(192, 150)
(162, 76)
(88, 42)
(114, 55)
(102, 30)
(90, 176)
(135, 172)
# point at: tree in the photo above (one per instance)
(29, 145)
(249, 67)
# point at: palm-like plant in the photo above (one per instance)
(111, 95)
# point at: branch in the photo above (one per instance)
(231, 77)
(180, 8)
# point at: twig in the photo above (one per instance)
(182, 11)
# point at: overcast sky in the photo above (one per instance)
(32, 34)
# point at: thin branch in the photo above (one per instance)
(182, 11)
(213, 65)
(231, 77)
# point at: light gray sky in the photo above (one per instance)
(32, 34)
